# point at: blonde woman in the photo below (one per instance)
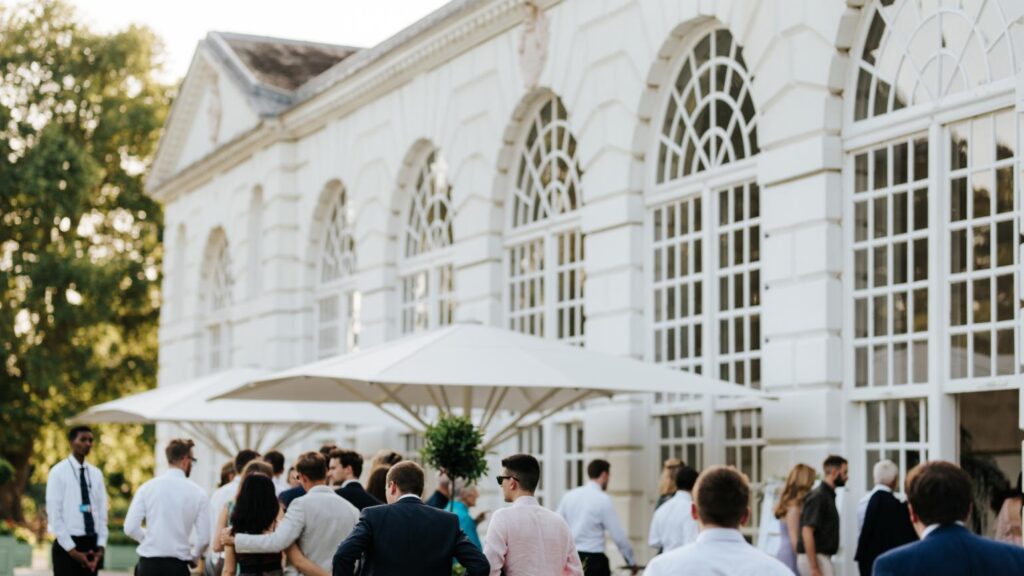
(787, 510)
(667, 483)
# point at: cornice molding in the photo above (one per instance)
(438, 38)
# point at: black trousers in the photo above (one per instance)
(65, 565)
(595, 564)
(162, 567)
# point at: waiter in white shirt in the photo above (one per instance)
(589, 513)
(175, 511)
(76, 509)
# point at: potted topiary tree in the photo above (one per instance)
(453, 445)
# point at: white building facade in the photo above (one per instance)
(820, 199)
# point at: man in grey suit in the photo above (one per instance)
(319, 520)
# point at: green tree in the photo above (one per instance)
(80, 253)
(453, 446)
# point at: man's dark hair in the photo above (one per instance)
(178, 449)
(347, 458)
(244, 457)
(256, 506)
(686, 477)
(940, 492)
(326, 450)
(408, 476)
(722, 495)
(312, 465)
(75, 431)
(275, 459)
(833, 462)
(525, 469)
(597, 467)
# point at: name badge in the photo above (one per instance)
(85, 509)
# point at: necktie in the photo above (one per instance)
(90, 524)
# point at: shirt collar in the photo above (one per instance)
(593, 484)
(76, 465)
(526, 501)
(882, 487)
(404, 496)
(349, 481)
(933, 527)
(320, 488)
(175, 472)
(720, 535)
(683, 495)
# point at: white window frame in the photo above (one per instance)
(756, 443)
(343, 289)
(215, 340)
(900, 445)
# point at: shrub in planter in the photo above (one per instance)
(453, 445)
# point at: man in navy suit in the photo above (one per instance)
(408, 537)
(346, 466)
(940, 502)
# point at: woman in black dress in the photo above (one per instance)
(256, 511)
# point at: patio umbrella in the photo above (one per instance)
(481, 370)
(244, 423)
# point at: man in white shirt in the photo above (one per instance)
(175, 512)
(319, 520)
(528, 539)
(588, 511)
(721, 506)
(673, 524)
(76, 509)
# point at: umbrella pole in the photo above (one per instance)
(398, 401)
(206, 436)
(493, 409)
(508, 433)
(529, 410)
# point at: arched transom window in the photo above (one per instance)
(338, 302)
(425, 271)
(544, 245)
(917, 52)
(216, 293)
(709, 118)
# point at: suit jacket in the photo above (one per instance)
(886, 526)
(406, 538)
(951, 550)
(318, 520)
(290, 494)
(357, 495)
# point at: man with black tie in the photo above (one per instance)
(885, 521)
(346, 466)
(76, 509)
(407, 536)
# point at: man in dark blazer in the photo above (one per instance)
(407, 537)
(347, 466)
(940, 503)
(886, 522)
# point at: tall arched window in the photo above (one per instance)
(706, 260)
(931, 216)
(704, 222)
(338, 302)
(425, 272)
(544, 243)
(216, 300)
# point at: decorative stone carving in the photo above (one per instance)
(533, 44)
(214, 110)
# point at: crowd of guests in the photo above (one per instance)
(317, 519)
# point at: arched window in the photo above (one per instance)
(918, 52)
(216, 293)
(338, 302)
(709, 118)
(255, 240)
(426, 275)
(931, 216)
(708, 128)
(544, 244)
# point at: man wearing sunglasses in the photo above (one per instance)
(527, 539)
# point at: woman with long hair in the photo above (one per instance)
(787, 510)
(255, 511)
(667, 482)
(376, 484)
(255, 467)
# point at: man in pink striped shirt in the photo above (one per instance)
(527, 539)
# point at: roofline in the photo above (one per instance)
(277, 40)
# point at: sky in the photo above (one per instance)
(183, 23)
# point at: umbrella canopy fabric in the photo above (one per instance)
(472, 366)
(229, 425)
